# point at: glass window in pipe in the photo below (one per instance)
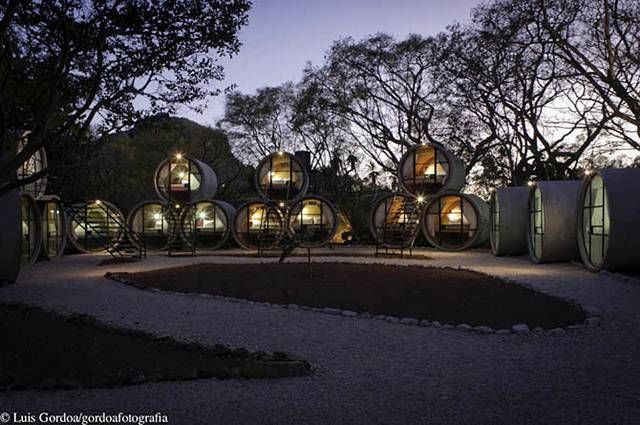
(281, 177)
(35, 164)
(313, 219)
(178, 179)
(595, 221)
(495, 217)
(536, 222)
(98, 227)
(152, 222)
(29, 228)
(258, 225)
(210, 223)
(452, 221)
(425, 170)
(52, 228)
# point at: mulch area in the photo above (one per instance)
(443, 294)
(45, 350)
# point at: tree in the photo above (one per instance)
(259, 124)
(380, 87)
(73, 68)
(510, 77)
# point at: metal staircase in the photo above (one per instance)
(108, 231)
(401, 225)
(266, 238)
(179, 245)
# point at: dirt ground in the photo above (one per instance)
(45, 350)
(443, 294)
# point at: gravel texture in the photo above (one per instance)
(367, 371)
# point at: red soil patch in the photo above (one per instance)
(447, 295)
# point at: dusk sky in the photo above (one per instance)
(283, 35)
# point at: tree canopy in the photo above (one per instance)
(74, 68)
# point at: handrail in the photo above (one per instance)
(130, 234)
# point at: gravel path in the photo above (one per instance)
(367, 371)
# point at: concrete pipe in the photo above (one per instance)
(430, 169)
(184, 180)
(154, 222)
(608, 220)
(31, 228)
(95, 226)
(456, 221)
(54, 227)
(35, 164)
(509, 219)
(258, 225)
(314, 220)
(395, 220)
(10, 236)
(551, 233)
(211, 220)
(282, 177)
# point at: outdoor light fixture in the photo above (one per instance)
(202, 215)
(156, 216)
(588, 172)
(178, 156)
(420, 199)
(531, 183)
(98, 202)
(177, 206)
(281, 204)
(280, 153)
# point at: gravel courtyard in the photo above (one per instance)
(366, 371)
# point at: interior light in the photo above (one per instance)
(178, 156)
(281, 204)
(156, 216)
(280, 153)
(588, 172)
(98, 201)
(454, 215)
(420, 199)
(202, 215)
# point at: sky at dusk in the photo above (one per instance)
(282, 35)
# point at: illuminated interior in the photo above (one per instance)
(210, 223)
(178, 178)
(96, 226)
(536, 222)
(258, 225)
(35, 164)
(595, 221)
(314, 219)
(344, 232)
(451, 222)
(29, 226)
(52, 229)
(424, 170)
(152, 221)
(396, 220)
(281, 177)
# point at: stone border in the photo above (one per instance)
(592, 319)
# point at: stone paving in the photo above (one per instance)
(366, 371)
